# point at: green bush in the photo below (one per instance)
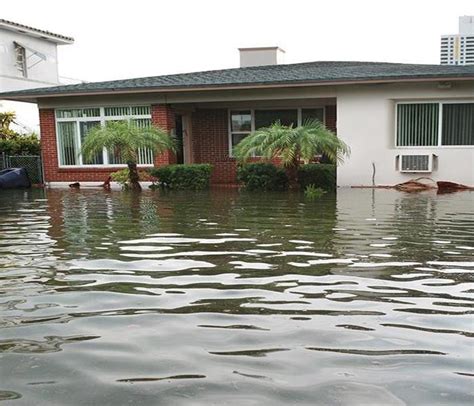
(319, 175)
(262, 176)
(20, 145)
(122, 177)
(312, 192)
(183, 177)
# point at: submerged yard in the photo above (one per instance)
(233, 298)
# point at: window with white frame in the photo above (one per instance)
(73, 126)
(243, 122)
(435, 124)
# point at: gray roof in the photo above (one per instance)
(10, 25)
(310, 73)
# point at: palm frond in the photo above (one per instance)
(290, 144)
(125, 139)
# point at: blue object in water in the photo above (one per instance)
(14, 178)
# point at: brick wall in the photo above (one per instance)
(163, 116)
(210, 139)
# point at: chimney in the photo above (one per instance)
(261, 56)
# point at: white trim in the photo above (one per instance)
(440, 103)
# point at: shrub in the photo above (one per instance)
(262, 176)
(20, 145)
(319, 175)
(312, 192)
(183, 177)
(123, 175)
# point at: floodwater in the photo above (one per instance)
(110, 298)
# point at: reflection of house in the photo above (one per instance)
(28, 59)
(402, 119)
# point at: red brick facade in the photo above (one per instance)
(210, 138)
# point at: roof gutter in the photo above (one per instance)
(34, 97)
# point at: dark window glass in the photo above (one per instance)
(417, 124)
(265, 118)
(241, 121)
(236, 138)
(458, 124)
(312, 114)
(85, 127)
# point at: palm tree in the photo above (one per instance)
(291, 145)
(124, 139)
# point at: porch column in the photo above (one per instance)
(163, 116)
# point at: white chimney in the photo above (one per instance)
(261, 56)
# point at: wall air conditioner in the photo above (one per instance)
(420, 163)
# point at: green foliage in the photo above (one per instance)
(292, 144)
(319, 175)
(262, 176)
(312, 192)
(125, 139)
(183, 177)
(20, 145)
(6, 119)
(122, 177)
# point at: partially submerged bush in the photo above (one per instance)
(262, 176)
(122, 177)
(319, 175)
(312, 192)
(183, 177)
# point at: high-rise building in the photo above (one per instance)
(458, 49)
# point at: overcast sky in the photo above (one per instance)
(121, 39)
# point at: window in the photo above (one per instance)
(21, 60)
(458, 124)
(265, 118)
(435, 124)
(240, 126)
(73, 125)
(243, 122)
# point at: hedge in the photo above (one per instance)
(262, 176)
(183, 177)
(20, 145)
(320, 175)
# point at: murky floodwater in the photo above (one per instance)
(237, 299)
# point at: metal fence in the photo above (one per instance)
(32, 164)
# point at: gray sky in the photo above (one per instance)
(120, 39)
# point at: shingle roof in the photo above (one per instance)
(20, 27)
(297, 74)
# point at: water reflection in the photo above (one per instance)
(258, 299)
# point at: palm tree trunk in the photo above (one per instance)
(133, 177)
(292, 173)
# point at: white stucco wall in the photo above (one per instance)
(366, 122)
(45, 73)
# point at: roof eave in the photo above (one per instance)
(33, 98)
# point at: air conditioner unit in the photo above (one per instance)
(415, 163)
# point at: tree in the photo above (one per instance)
(124, 139)
(6, 119)
(291, 145)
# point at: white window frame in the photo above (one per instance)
(299, 112)
(440, 123)
(102, 118)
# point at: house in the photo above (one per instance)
(28, 59)
(400, 120)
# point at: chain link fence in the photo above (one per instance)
(32, 164)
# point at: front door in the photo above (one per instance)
(183, 139)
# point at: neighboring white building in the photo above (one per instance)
(28, 59)
(458, 49)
